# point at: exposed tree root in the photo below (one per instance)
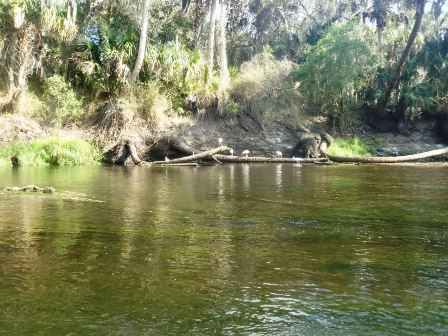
(119, 152)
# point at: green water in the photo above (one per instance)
(225, 250)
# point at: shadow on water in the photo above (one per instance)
(232, 249)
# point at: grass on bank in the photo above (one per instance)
(52, 152)
(349, 148)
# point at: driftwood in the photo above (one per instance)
(182, 147)
(261, 159)
(389, 159)
(195, 157)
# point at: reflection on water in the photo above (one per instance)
(232, 249)
(278, 177)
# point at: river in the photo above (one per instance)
(225, 250)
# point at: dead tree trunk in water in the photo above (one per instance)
(181, 147)
(262, 159)
(195, 157)
(389, 159)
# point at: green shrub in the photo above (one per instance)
(62, 104)
(336, 70)
(233, 71)
(351, 147)
(232, 107)
(52, 152)
(177, 67)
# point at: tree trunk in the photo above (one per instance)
(199, 156)
(211, 39)
(142, 42)
(262, 159)
(182, 147)
(223, 64)
(395, 80)
(389, 159)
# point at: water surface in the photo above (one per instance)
(231, 249)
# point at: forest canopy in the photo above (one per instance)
(352, 61)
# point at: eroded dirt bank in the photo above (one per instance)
(239, 133)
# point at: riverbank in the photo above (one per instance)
(32, 143)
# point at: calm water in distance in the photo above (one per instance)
(225, 250)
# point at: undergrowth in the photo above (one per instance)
(351, 147)
(52, 152)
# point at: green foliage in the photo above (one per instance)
(264, 89)
(62, 106)
(233, 71)
(52, 152)
(351, 147)
(103, 56)
(424, 79)
(343, 67)
(336, 69)
(231, 106)
(178, 68)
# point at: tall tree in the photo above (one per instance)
(223, 64)
(142, 42)
(395, 79)
(211, 38)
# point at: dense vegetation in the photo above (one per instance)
(51, 152)
(382, 62)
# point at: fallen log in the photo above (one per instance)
(388, 159)
(195, 157)
(261, 159)
(182, 147)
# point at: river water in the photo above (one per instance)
(225, 250)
